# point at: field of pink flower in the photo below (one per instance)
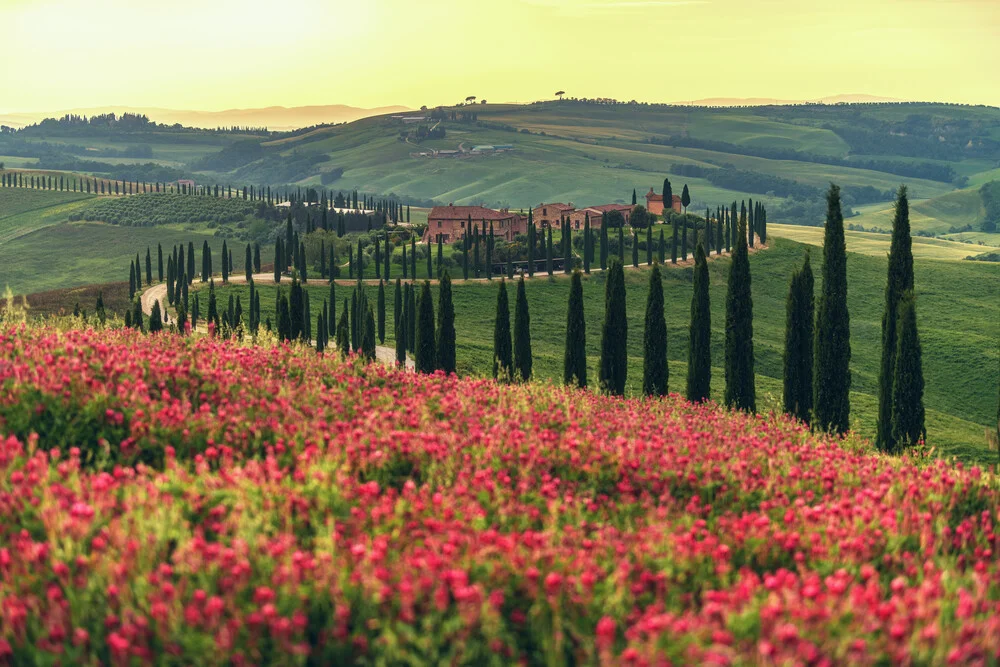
(194, 501)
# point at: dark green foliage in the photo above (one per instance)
(400, 341)
(155, 319)
(575, 357)
(661, 249)
(502, 350)
(446, 326)
(99, 308)
(426, 361)
(296, 309)
(149, 267)
(798, 357)
(635, 250)
(604, 243)
(213, 306)
(248, 264)
(614, 334)
(381, 311)
(567, 245)
(344, 332)
(699, 370)
(548, 250)
(654, 362)
(832, 379)
(206, 262)
(740, 382)
(522, 335)
(411, 318)
(588, 244)
(256, 259)
(908, 380)
(368, 334)
(899, 281)
(131, 279)
(649, 245)
(159, 260)
(621, 244)
(684, 238)
(673, 247)
(225, 262)
(685, 198)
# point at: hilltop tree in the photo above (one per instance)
(503, 362)
(699, 370)
(614, 334)
(425, 344)
(685, 198)
(446, 326)
(908, 383)
(575, 357)
(654, 365)
(740, 388)
(899, 282)
(832, 378)
(798, 357)
(522, 335)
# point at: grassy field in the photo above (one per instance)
(73, 254)
(936, 215)
(23, 211)
(959, 311)
(869, 243)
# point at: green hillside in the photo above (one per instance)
(959, 310)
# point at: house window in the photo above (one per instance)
(439, 224)
(545, 211)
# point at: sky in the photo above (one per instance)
(224, 54)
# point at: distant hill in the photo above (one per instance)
(274, 118)
(850, 98)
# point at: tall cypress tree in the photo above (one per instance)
(575, 356)
(155, 319)
(673, 248)
(159, 262)
(296, 309)
(503, 362)
(446, 326)
(532, 234)
(661, 249)
(899, 282)
(740, 389)
(699, 369)
(411, 318)
(621, 244)
(798, 357)
(400, 333)
(368, 334)
(381, 311)
(832, 379)
(344, 331)
(604, 242)
(206, 262)
(548, 250)
(149, 267)
(588, 245)
(684, 238)
(397, 303)
(649, 244)
(426, 361)
(654, 364)
(131, 279)
(908, 382)
(248, 264)
(522, 335)
(567, 245)
(256, 259)
(413, 257)
(225, 262)
(614, 334)
(213, 306)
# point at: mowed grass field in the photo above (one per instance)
(936, 215)
(958, 310)
(869, 243)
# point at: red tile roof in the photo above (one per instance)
(558, 206)
(652, 196)
(611, 207)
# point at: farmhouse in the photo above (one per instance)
(654, 203)
(450, 223)
(552, 214)
(544, 215)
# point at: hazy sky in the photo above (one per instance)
(220, 54)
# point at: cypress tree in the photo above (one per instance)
(685, 199)
(368, 335)
(381, 311)
(181, 318)
(621, 244)
(131, 279)
(635, 250)
(397, 303)
(908, 382)
(355, 322)
(604, 242)
(320, 327)
(588, 244)
(425, 345)
(446, 326)
(256, 258)
(440, 255)
(798, 357)
(206, 262)
(225, 262)
(575, 356)
(195, 312)
(548, 250)
(400, 342)
(155, 318)
(159, 260)
(654, 365)
(413, 257)
(306, 317)
(684, 238)
(248, 264)
(411, 318)
(430, 267)
(296, 310)
(378, 258)
(149, 267)
(699, 370)
(532, 233)
(522, 335)
(137, 315)
(502, 351)
(899, 281)
(740, 389)
(99, 308)
(673, 248)
(614, 334)
(832, 378)
(661, 249)
(277, 260)
(406, 271)
(344, 332)
(567, 243)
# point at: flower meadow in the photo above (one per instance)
(177, 500)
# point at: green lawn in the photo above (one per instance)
(869, 243)
(23, 211)
(959, 311)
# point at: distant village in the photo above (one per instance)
(449, 223)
